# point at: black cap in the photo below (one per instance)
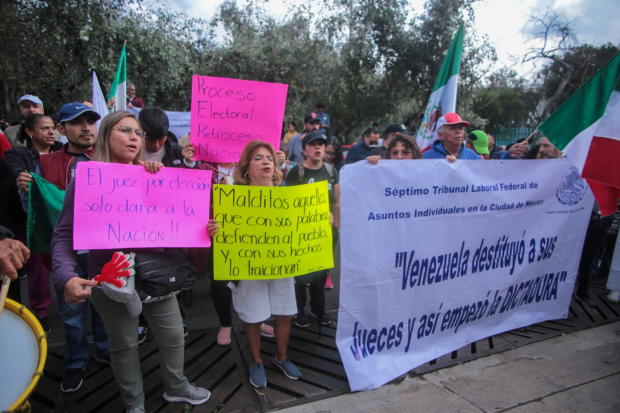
(393, 127)
(311, 117)
(312, 136)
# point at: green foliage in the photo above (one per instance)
(364, 60)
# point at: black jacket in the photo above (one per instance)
(26, 158)
(174, 154)
(12, 216)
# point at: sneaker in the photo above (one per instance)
(139, 409)
(73, 380)
(267, 331)
(258, 378)
(187, 298)
(193, 395)
(327, 320)
(585, 299)
(142, 333)
(614, 296)
(104, 359)
(289, 369)
(223, 337)
(185, 331)
(46, 326)
(301, 320)
(329, 285)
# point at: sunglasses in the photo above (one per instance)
(126, 130)
(404, 153)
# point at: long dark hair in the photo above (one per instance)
(338, 161)
(29, 123)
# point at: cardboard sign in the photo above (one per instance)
(124, 206)
(268, 233)
(228, 113)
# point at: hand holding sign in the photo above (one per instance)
(266, 233)
(124, 206)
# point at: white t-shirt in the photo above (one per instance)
(155, 156)
(226, 174)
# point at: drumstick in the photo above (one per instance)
(4, 291)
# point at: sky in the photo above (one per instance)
(503, 21)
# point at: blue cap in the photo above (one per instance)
(32, 98)
(72, 110)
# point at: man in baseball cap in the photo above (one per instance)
(311, 124)
(388, 134)
(451, 132)
(28, 105)
(478, 141)
(78, 122)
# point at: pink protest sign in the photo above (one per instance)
(228, 113)
(123, 206)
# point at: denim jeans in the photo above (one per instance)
(74, 320)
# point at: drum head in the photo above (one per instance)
(20, 357)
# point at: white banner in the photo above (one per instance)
(438, 255)
(179, 121)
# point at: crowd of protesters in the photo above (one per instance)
(52, 147)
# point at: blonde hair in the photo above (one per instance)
(102, 151)
(246, 158)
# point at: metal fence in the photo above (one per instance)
(505, 136)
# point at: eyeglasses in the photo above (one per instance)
(126, 130)
(404, 153)
(327, 153)
(373, 142)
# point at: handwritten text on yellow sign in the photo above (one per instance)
(268, 232)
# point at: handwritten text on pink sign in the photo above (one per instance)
(123, 206)
(228, 113)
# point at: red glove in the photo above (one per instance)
(121, 265)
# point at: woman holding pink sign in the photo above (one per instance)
(120, 140)
(256, 300)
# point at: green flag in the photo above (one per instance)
(443, 98)
(44, 206)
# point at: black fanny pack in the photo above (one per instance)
(161, 275)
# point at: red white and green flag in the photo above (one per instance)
(443, 97)
(119, 87)
(586, 128)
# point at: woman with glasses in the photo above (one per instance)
(333, 153)
(401, 147)
(121, 140)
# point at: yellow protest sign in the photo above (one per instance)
(268, 232)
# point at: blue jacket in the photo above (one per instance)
(438, 152)
(358, 152)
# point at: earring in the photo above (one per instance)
(274, 176)
(246, 176)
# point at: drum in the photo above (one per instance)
(23, 350)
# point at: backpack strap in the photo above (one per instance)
(301, 171)
(330, 171)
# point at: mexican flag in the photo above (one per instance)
(586, 128)
(44, 206)
(119, 87)
(443, 97)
